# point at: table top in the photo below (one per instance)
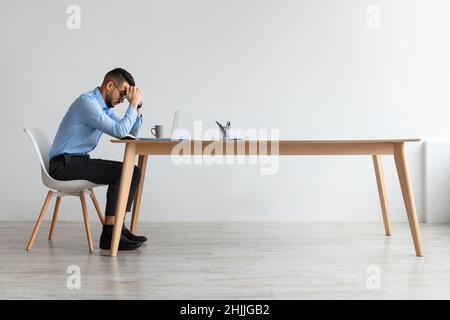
(165, 141)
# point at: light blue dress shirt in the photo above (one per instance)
(85, 121)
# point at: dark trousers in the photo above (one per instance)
(69, 167)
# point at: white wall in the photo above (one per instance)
(437, 181)
(313, 69)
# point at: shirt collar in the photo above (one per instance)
(99, 98)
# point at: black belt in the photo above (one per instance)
(64, 156)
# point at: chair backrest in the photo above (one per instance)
(41, 146)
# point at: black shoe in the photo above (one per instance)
(127, 233)
(124, 244)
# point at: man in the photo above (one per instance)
(88, 117)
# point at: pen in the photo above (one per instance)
(221, 127)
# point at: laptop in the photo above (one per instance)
(176, 118)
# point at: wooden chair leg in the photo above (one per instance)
(39, 221)
(54, 219)
(86, 221)
(97, 206)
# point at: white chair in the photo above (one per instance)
(58, 188)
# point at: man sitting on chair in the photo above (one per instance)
(88, 117)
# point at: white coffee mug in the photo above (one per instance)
(159, 131)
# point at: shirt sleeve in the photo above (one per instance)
(93, 115)
(137, 125)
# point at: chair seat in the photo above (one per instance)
(69, 186)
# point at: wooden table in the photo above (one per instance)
(374, 148)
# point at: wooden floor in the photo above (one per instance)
(251, 260)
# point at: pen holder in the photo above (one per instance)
(225, 133)
(224, 130)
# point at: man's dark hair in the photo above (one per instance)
(119, 75)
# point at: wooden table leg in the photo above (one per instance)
(382, 192)
(142, 164)
(124, 189)
(408, 196)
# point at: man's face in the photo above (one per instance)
(116, 93)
